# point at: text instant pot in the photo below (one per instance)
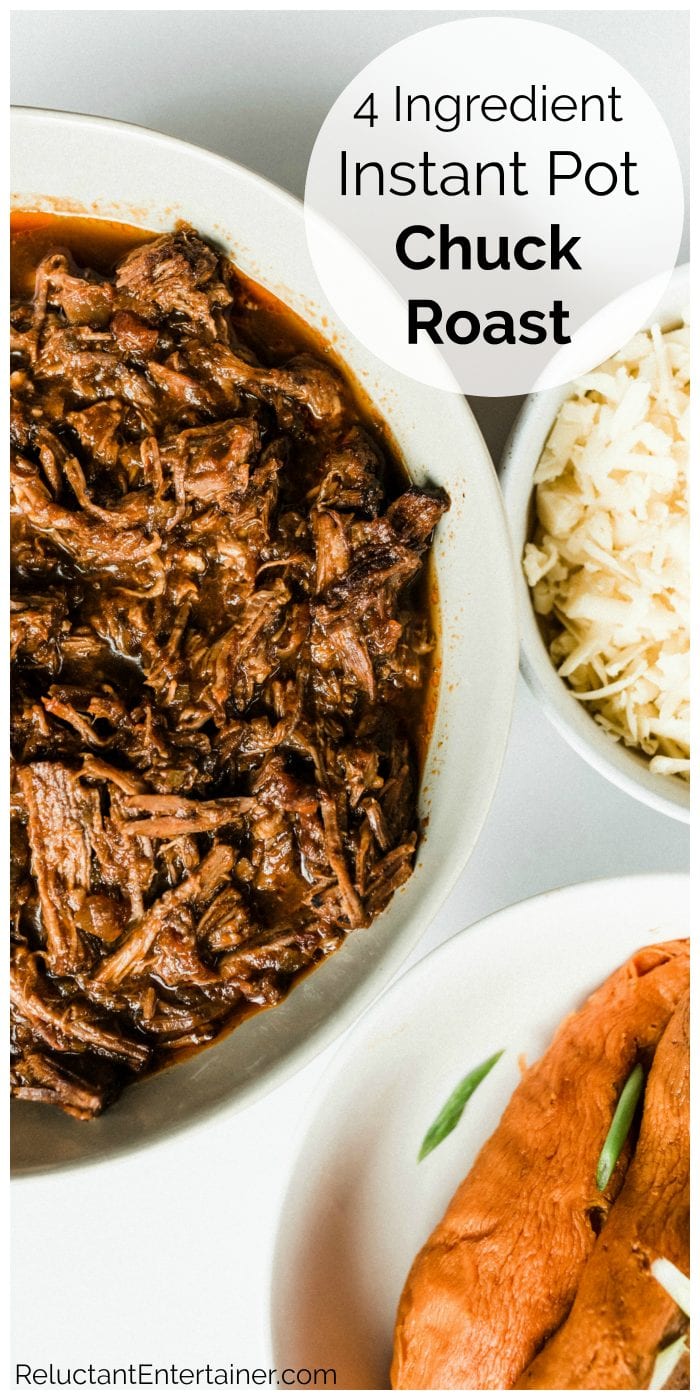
(461, 245)
(493, 204)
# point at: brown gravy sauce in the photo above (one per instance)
(276, 333)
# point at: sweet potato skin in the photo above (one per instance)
(621, 1317)
(501, 1270)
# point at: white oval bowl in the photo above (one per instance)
(623, 766)
(77, 164)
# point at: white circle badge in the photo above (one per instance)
(495, 202)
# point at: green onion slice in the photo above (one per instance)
(666, 1363)
(619, 1128)
(675, 1282)
(450, 1114)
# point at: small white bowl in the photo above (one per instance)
(623, 766)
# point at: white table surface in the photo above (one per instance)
(164, 1256)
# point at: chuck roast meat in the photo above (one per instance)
(220, 642)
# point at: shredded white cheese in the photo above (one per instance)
(609, 562)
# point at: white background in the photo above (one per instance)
(164, 1256)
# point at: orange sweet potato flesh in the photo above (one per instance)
(500, 1272)
(621, 1317)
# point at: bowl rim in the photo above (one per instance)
(622, 766)
(391, 958)
(54, 115)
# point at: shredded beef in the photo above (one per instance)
(218, 649)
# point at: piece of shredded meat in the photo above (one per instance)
(218, 650)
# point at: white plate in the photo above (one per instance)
(359, 1206)
(64, 162)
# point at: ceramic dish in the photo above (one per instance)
(359, 1205)
(74, 164)
(623, 766)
